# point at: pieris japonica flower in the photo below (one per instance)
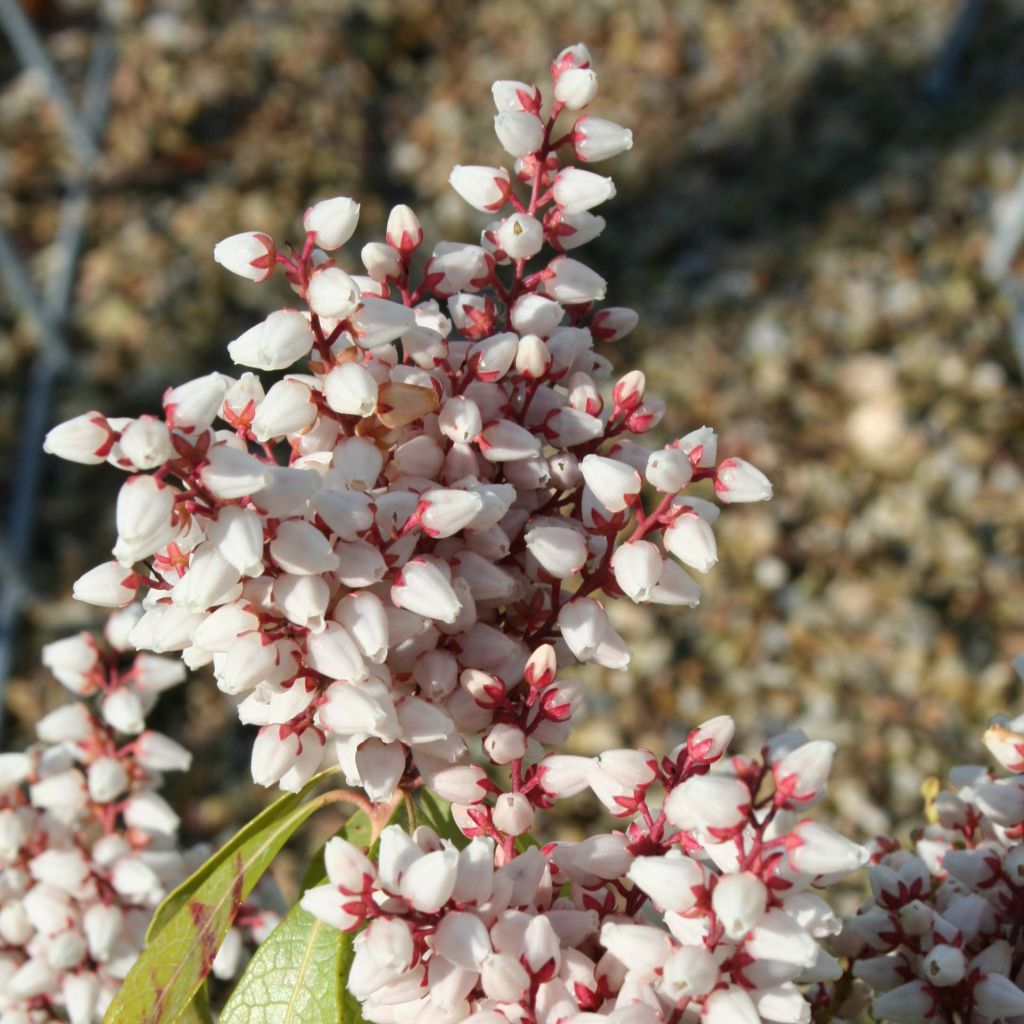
(940, 933)
(407, 514)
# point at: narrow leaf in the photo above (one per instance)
(436, 812)
(197, 915)
(298, 973)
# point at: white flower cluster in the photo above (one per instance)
(942, 937)
(376, 551)
(702, 909)
(88, 846)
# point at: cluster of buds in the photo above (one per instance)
(941, 937)
(88, 846)
(398, 545)
(702, 907)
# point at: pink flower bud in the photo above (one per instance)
(710, 740)
(250, 254)
(484, 188)
(615, 485)
(332, 221)
(738, 481)
(576, 190)
(86, 439)
(275, 343)
(576, 87)
(404, 231)
(519, 132)
(520, 236)
(571, 283)
(596, 139)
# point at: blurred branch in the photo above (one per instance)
(47, 314)
(941, 77)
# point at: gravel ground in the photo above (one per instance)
(801, 224)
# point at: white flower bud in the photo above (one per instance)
(192, 406)
(145, 507)
(689, 973)
(739, 901)
(107, 779)
(572, 283)
(596, 139)
(996, 997)
(668, 470)
(561, 551)
(428, 882)
(503, 978)
(815, 849)
(382, 263)
(379, 322)
(911, 1003)
(250, 254)
(443, 513)
(535, 314)
(738, 481)
(691, 539)
(332, 221)
(146, 443)
(513, 814)
(730, 1006)
(484, 188)
(70, 723)
(576, 87)
(519, 132)
(637, 566)
(287, 409)
(404, 231)
(110, 585)
(644, 949)
(613, 323)
(160, 753)
(576, 190)
(274, 343)
(505, 743)
(718, 803)
(671, 881)
(332, 293)
(614, 484)
(520, 236)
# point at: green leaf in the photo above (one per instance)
(193, 920)
(197, 1011)
(298, 973)
(179, 897)
(436, 812)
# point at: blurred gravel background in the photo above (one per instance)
(801, 223)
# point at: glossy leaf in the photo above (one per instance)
(193, 921)
(436, 812)
(298, 973)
